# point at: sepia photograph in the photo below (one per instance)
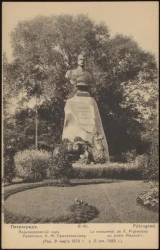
(80, 118)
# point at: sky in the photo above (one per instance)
(136, 19)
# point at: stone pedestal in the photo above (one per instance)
(82, 119)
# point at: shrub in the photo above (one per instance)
(82, 212)
(150, 198)
(141, 162)
(32, 164)
(8, 164)
(129, 156)
(151, 170)
(61, 166)
(153, 163)
(9, 169)
(149, 164)
(111, 170)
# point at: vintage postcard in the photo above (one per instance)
(80, 125)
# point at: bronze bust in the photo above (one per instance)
(80, 78)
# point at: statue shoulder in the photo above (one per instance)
(90, 76)
(70, 73)
(71, 76)
(89, 71)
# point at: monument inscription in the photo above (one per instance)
(85, 114)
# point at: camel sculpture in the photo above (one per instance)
(88, 153)
(97, 149)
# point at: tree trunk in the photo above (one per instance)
(36, 127)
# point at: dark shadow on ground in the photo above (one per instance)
(92, 182)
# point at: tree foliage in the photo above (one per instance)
(44, 48)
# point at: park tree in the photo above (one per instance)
(124, 85)
(9, 134)
(126, 90)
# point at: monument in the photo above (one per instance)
(82, 119)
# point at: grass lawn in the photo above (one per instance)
(115, 200)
